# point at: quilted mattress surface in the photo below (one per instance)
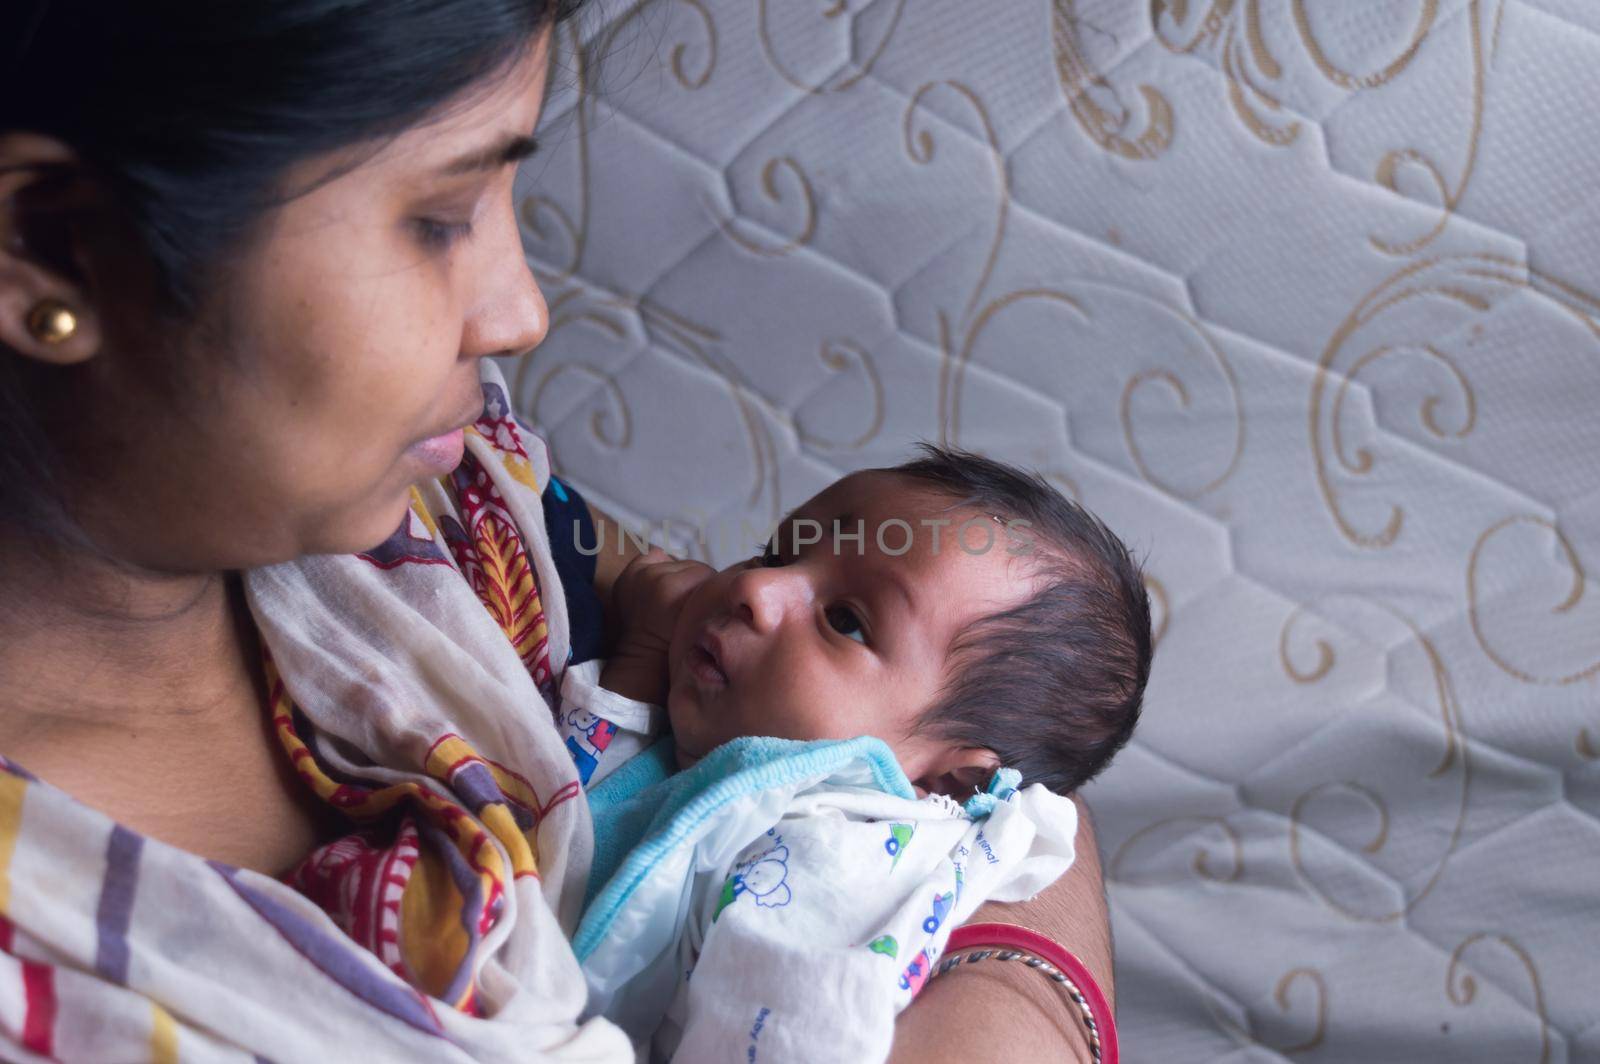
(1300, 296)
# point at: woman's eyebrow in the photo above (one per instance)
(508, 150)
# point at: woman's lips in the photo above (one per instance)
(440, 454)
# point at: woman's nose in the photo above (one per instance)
(763, 598)
(510, 315)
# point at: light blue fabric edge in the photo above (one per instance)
(1002, 785)
(781, 762)
(652, 765)
(611, 809)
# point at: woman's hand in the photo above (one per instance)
(647, 597)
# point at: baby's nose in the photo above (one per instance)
(765, 598)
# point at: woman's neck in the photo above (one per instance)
(86, 644)
(140, 694)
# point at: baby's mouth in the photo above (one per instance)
(704, 665)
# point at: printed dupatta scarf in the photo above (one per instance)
(411, 687)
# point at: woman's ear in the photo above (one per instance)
(958, 773)
(43, 204)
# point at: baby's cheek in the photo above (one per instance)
(684, 629)
(815, 713)
(834, 704)
(680, 714)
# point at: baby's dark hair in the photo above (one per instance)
(1053, 686)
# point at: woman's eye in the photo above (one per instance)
(437, 234)
(843, 620)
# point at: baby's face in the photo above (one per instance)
(837, 639)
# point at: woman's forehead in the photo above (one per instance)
(503, 106)
(477, 130)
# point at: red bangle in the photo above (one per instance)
(1020, 938)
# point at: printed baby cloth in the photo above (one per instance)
(601, 728)
(783, 900)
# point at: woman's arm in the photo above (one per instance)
(1007, 1011)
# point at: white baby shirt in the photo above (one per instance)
(782, 900)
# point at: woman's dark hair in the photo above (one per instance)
(1053, 686)
(187, 115)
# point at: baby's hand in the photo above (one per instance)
(647, 598)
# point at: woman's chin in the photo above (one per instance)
(373, 529)
(382, 525)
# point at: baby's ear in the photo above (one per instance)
(959, 773)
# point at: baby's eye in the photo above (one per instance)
(843, 620)
(769, 556)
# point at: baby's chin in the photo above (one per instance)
(680, 714)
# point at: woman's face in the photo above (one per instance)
(336, 365)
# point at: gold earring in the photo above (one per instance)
(52, 321)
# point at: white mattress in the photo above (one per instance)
(1301, 299)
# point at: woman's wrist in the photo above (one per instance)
(1028, 994)
(989, 1012)
(1021, 949)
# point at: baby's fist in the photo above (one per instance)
(648, 596)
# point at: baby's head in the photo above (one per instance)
(962, 611)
